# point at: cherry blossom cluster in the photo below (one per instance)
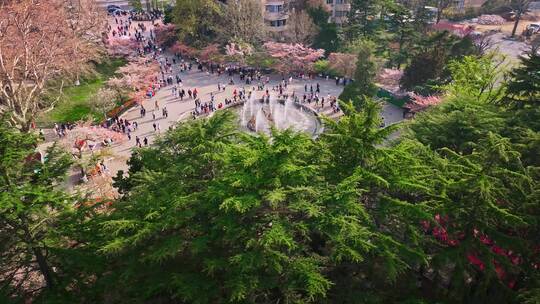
(293, 57)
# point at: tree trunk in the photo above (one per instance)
(44, 267)
(518, 17)
(439, 14)
(26, 126)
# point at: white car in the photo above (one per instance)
(534, 27)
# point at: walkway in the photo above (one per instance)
(206, 84)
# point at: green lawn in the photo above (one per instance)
(74, 102)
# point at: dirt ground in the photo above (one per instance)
(507, 27)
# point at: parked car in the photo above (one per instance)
(534, 28)
(112, 10)
(113, 7)
(117, 12)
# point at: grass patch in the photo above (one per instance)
(74, 102)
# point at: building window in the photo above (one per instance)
(340, 14)
(340, 1)
(329, 1)
(277, 23)
(274, 8)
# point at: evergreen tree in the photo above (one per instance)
(210, 214)
(366, 69)
(524, 85)
(405, 34)
(353, 140)
(214, 216)
(363, 19)
(484, 192)
(327, 37)
(428, 67)
(477, 204)
(31, 206)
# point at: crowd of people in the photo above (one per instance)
(243, 83)
(61, 129)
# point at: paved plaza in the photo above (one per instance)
(207, 84)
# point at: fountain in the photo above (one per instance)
(260, 115)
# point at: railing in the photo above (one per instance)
(270, 16)
(117, 111)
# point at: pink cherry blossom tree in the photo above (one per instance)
(389, 79)
(166, 34)
(135, 77)
(122, 47)
(293, 57)
(210, 53)
(86, 137)
(238, 51)
(459, 30)
(420, 103)
(183, 49)
(343, 63)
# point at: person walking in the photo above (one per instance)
(155, 126)
(145, 140)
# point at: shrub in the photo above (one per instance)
(322, 66)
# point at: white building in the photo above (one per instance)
(275, 15)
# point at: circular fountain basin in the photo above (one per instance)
(260, 115)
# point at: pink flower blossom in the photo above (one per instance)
(419, 102)
(293, 57)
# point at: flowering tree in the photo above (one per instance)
(166, 34)
(122, 47)
(211, 52)
(238, 51)
(389, 79)
(293, 57)
(86, 20)
(103, 100)
(183, 49)
(84, 134)
(36, 47)
(136, 77)
(419, 103)
(459, 30)
(139, 74)
(343, 63)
